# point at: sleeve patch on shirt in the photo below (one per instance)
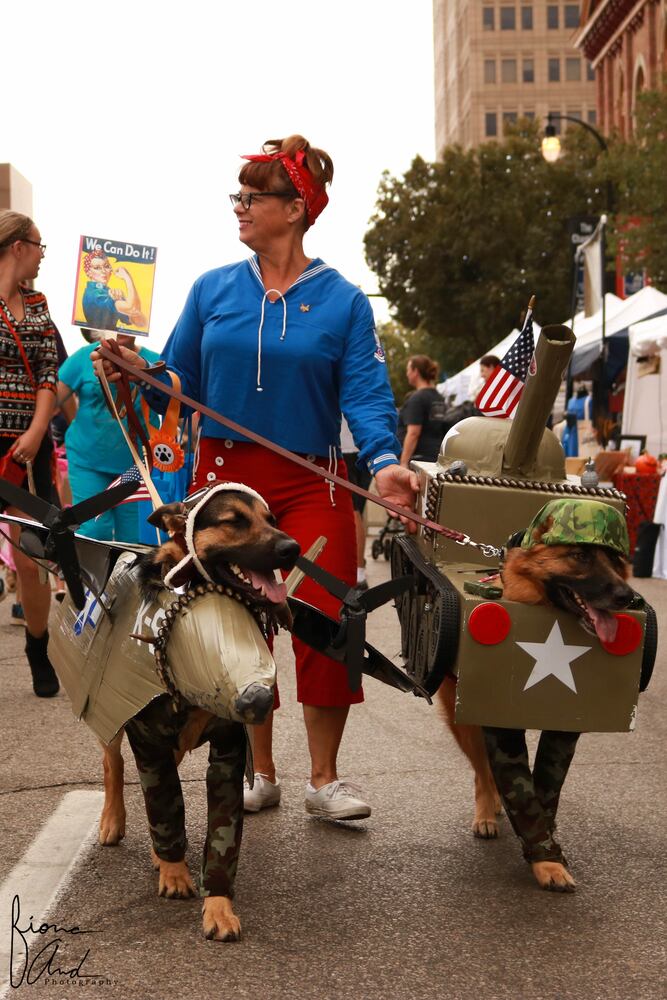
(379, 351)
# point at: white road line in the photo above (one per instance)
(43, 870)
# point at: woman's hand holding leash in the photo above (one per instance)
(400, 486)
(111, 371)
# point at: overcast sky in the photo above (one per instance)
(129, 119)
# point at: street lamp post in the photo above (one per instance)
(551, 142)
(551, 150)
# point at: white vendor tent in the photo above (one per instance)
(620, 315)
(645, 405)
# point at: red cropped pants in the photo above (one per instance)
(304, 508)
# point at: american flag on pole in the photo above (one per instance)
(131, 476)
(501, 392)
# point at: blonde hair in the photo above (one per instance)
(13, 226)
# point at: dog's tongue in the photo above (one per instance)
(606, 624)
(269, 586)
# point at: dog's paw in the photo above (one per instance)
(553, 876)
(112, 827)
(175, 880)
(485, 828)
(219, 920)
(155, 861)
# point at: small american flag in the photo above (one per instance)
(501, 392)
(132, 476)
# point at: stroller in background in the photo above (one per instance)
(382, 544)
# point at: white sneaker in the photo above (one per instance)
(262, 795)
(337, 800)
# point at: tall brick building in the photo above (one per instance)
(498, 59)
(626, 43)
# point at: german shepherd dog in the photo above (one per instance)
(588, 581)
(237, 543)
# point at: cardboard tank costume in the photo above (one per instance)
(518, 666)
(207, 645)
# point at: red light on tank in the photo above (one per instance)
(489, 623)
(628, 636)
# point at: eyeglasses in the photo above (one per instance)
(247, 199)
(34, 243)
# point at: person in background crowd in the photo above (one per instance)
(281, 343)
(487, 365)
(28, 379)
(96, 450)
(423, 414)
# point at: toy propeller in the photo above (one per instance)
(59, 545)
(345, 640)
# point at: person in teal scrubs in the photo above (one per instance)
(96, 450)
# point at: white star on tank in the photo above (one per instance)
(552, 657)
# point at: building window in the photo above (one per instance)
(490, 124)
(488, 19)
(553, 70)
(571, 15)
(552, 17)
(489, 71)
(574, 114)
(527, 18)
(592, 117)
(507, 18)
(509, 118)
(528, 71)
(590, 72)
(572, 69)
(508, 70)
(556, 122)
(530, 115)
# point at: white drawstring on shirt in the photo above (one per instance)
(259, 332)
(333, 468)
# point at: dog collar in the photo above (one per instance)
(182, 571)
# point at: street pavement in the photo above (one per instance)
(404, 905)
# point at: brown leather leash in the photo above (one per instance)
(144, 375)
(134, 425)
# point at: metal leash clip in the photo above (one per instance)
(487, 550)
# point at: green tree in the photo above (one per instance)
(639, 174)
(399, 344)
(460, 245)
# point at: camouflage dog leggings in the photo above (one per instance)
(153, 736)
(531, 799)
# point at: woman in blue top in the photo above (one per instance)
(96, 450)
(281, 343)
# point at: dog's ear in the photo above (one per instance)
(514, 541)
(171, 517)
(542, 529)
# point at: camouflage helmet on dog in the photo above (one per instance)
(578, 522)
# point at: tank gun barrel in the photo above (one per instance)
(552, 353)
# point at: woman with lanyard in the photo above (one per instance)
(28, 380)
(281, 343)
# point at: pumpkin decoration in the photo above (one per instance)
(646, 465)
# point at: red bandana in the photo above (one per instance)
(315, 197)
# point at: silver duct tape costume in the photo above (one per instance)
(215, 653)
